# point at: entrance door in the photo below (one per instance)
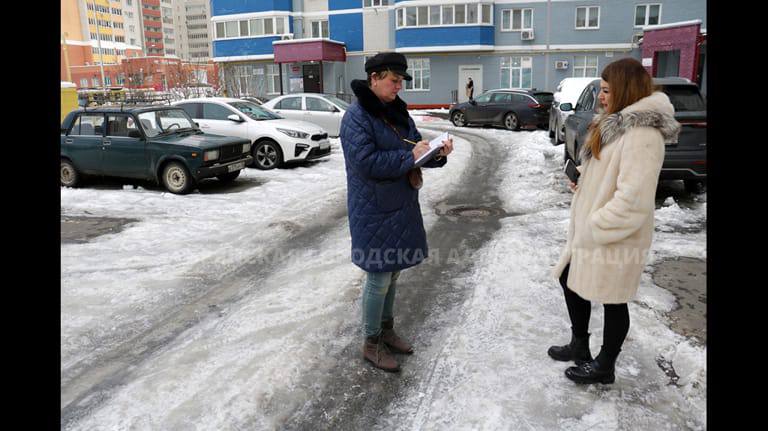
(470, 71)
(311, 73)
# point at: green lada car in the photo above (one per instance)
(156, 143)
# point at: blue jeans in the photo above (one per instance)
(378, 300)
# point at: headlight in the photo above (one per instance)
(246, 148)
(211, 155)
(294, 133)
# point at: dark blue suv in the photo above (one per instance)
(685, 160)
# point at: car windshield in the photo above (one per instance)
(340, 103)
(254, 111)
(165, 121)
(685, 98)
(544, 97)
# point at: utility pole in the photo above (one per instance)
(101, 52)
(66, 56)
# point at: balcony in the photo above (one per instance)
(150, 12)
(448, 38)
(153, 35)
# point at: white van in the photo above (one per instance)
(567, 91)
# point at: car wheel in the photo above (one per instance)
(177, 179)
(228, 178)
(69, 175)
(694, 186)
(458, 119)
(511, 122)
(267, 155)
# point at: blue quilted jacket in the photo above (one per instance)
(384, 213)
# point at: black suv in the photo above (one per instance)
(508, 108)
(685, 160)
(158, 143)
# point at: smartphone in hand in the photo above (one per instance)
(571, 171)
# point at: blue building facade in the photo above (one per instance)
(498, 43)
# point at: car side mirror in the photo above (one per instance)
(335, 109)
(197, 124)
(134, 134)
(566, 107)
(236, 118)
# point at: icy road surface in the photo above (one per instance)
(238, 308)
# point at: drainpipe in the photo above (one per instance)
(546, 55)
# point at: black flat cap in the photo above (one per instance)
(392, 61)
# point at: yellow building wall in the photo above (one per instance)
(70, 20)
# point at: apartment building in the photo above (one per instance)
(192, 19)
(269, 46)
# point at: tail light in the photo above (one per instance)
(534, 105)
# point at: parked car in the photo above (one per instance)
(567, 91)
(685, 160)
(275, 140)
(510, 108)
(322, 109)
(256, 100)
(156, 143)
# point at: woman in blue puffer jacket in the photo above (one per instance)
(383, 198)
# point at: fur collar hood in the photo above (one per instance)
(395, 112)
(653, 111)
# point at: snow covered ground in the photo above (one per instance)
(260, 358)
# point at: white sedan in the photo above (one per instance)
(275, 140)
(568, 91)
(322, 109)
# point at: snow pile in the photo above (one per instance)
(671, 216)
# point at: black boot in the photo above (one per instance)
(601, 370)
(577, 350)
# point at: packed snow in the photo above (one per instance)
(259, 358)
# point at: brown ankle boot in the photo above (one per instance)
(376, 352)
(390, 338)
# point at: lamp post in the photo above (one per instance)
(98, 40)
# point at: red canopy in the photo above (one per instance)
(294, 51)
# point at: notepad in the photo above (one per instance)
(434, 147)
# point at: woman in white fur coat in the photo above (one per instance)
(612, 214)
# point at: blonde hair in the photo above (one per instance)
(629, 82)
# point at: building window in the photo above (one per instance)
(375, 3)
(437, 15)
(244, 28)
(585, 66)
(320, 28)
(232, 29)
(516, 72)
(84, 82)
(647, 14)
(419, 70)
(588, 18)
(516, 19)
(107, 80)
(95, 82)
(273, 79)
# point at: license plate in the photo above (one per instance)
(325, 145)
(235, 167)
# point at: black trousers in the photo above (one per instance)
(615, 326)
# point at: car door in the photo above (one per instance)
(497, 107)
(576, 124)
(476, 111)
(86, 142)
(322, 113)
(215, 121)
(290, 108)
(124, 152)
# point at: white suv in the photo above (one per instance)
(568, 91)
(275, 140)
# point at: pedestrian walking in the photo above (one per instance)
(611, 223)
(385, 221)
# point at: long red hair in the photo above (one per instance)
(629, 83)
